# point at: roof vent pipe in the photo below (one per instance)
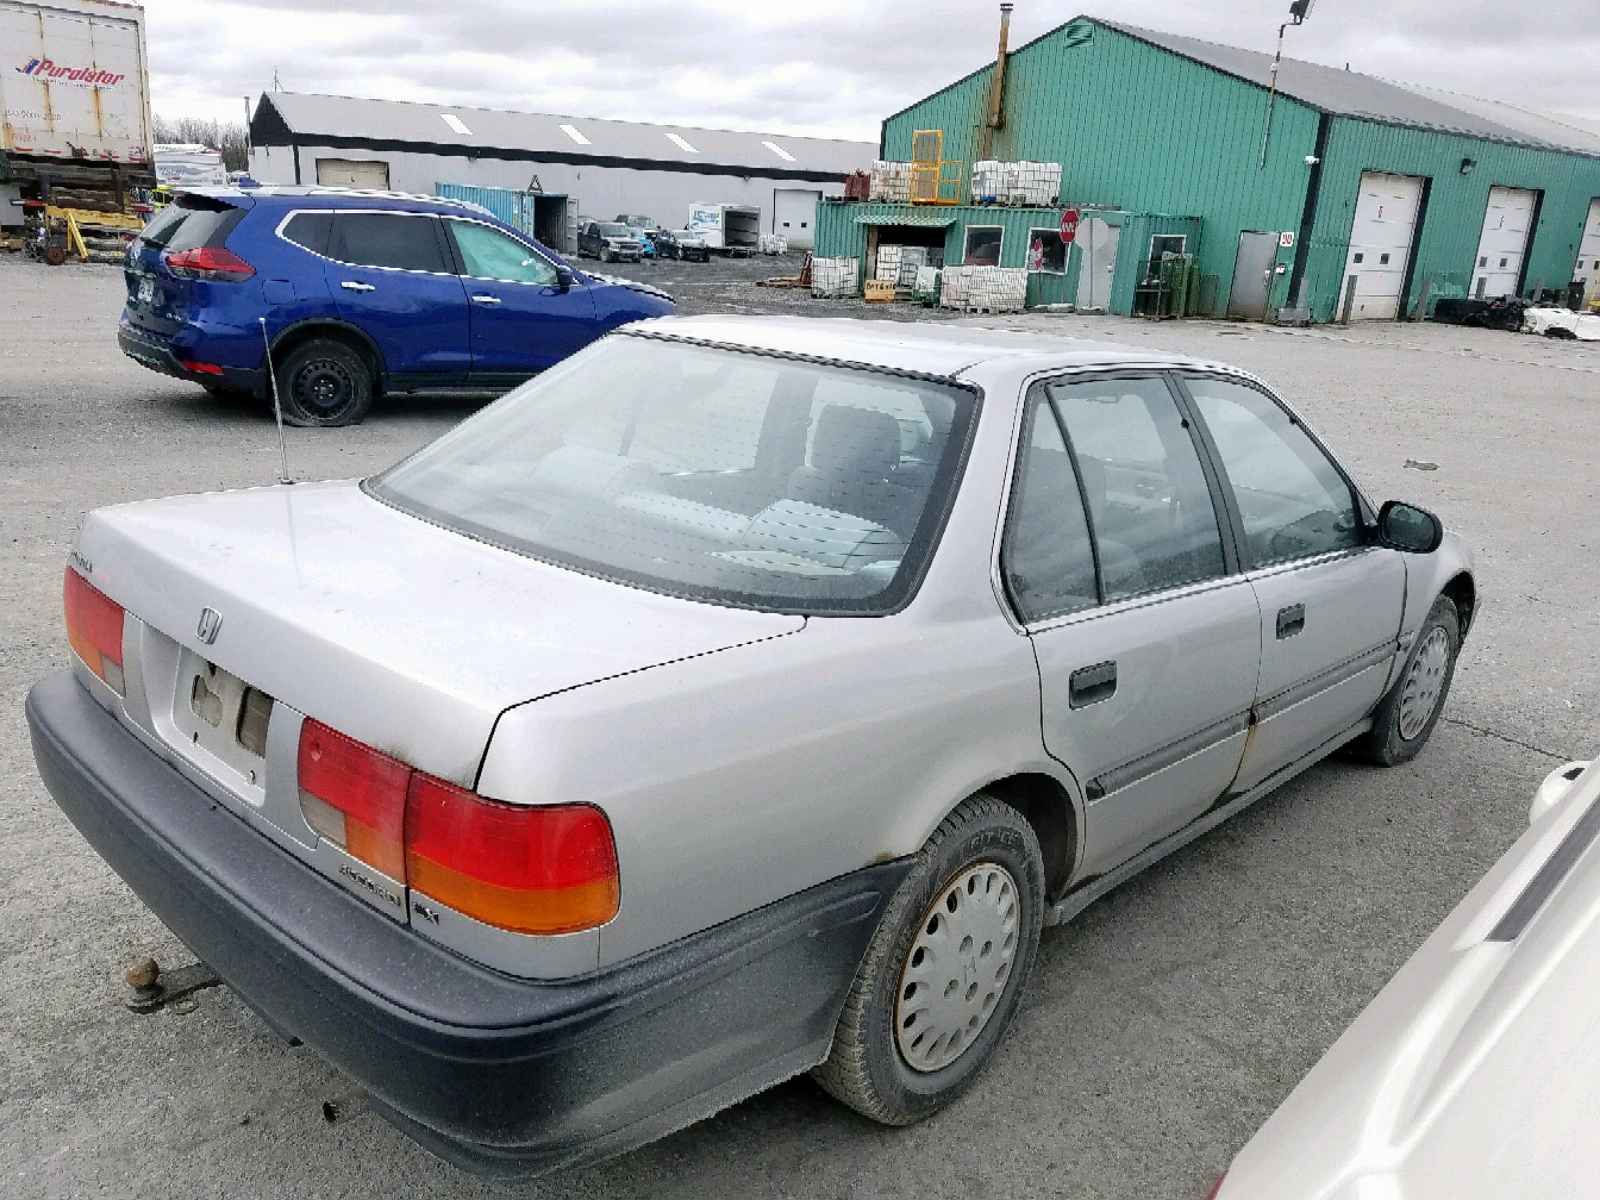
(996, 118)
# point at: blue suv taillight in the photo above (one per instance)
(214, 264)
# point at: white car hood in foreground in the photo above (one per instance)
(399, 633)
(1475, 1074)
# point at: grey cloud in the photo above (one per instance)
(644, 60)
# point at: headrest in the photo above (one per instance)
(863, 442)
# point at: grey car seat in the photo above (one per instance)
(854, 454)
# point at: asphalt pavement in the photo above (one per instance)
(1159, 1028)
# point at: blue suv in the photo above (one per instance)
(363, 293)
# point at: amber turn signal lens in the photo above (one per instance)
(531, 869)
(94, 629)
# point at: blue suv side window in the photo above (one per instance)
(310, 230)
(401, 241)
(489, 254)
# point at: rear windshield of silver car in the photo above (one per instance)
(736, 477)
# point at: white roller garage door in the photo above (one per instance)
(1587, 270)
(353, 173)
(794, 214)
(1506, 225)
(1380, 245)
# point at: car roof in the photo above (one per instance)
(322, 196)
(922, 348)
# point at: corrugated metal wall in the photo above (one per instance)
(1453, 219)
(1139, 128)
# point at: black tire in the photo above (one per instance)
(867, 1068)
(322, 383)
(1399, 732)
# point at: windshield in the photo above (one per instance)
(735, 477)
(613, 229)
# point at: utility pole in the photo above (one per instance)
(1299, 10)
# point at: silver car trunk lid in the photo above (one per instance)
(396, 632)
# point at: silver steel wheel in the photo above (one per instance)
(1424, 682)
(956, 971)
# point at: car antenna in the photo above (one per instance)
(277, 408)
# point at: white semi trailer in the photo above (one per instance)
(75, 90)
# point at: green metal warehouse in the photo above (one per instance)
(1357, 199)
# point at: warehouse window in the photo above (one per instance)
(983, 245)
(1047, 253)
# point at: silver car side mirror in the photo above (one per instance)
(1403, 526)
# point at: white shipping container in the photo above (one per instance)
(727, 226)
(73, 81)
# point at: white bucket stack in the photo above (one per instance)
(833, 278)
(1020, 184)
(990, 289)
(891, 183)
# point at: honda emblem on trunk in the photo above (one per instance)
(210, 625)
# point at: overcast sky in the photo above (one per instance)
(831, 68)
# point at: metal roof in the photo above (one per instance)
(1352, 94)
(444, 128)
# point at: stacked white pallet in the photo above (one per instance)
(990, 179)
(1038, 184)
(1024, 184)
(891, 182)
(772, 243)
(832, 278)
(990, 289)
(888, 268)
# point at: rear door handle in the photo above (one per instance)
(1291, 620)
(351, 285)
(480, 298)
(1091, 685)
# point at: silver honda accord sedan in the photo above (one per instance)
(739, 698)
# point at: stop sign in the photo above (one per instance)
(1069, 224)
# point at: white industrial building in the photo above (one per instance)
(602, 168)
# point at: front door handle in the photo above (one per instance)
(1291, 620)
(1091, 685)
(351, 285)
(480, 298)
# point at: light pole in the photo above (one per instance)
(1299, 10)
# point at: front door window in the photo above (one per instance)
(1293, 501)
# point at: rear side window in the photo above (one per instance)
(1150, 508)
(1048, 562)
(310, 231)
(402, 241)
(189, 223)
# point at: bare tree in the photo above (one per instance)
(229, 137)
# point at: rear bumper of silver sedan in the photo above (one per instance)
(495, 1073)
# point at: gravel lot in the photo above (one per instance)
(1159, 1029)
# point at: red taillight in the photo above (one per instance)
(202, 368)
(216, 264)
(94, 628)
(354, 796)
(545, 869)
